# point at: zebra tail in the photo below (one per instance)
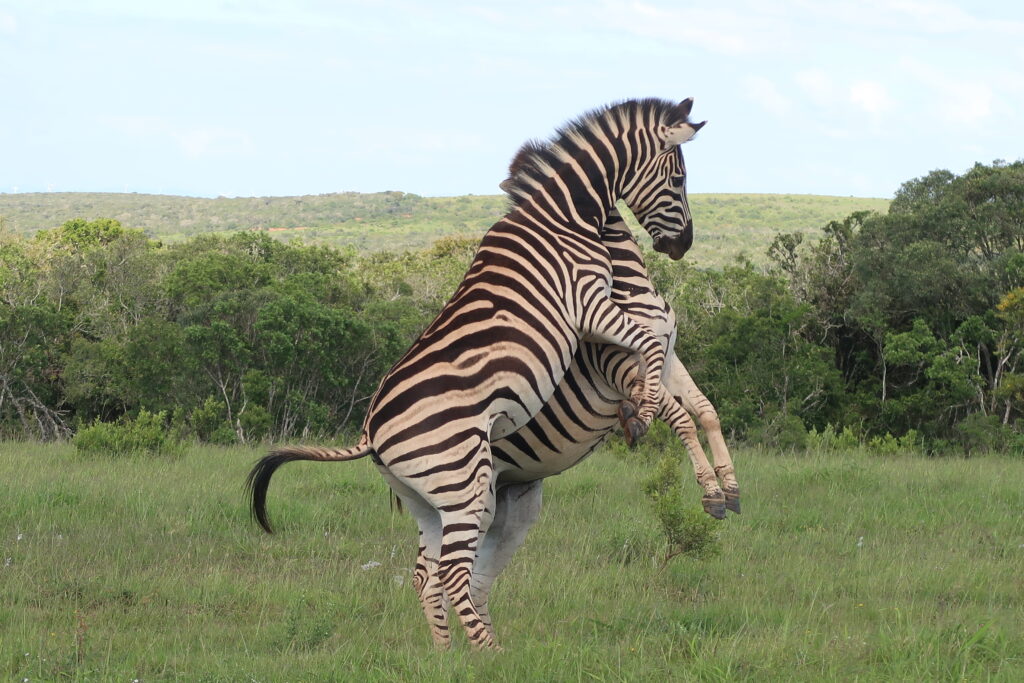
(259, 478)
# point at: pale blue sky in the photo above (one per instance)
(251, 97)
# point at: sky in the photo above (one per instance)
(251, 97)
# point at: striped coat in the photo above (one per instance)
(538, 287)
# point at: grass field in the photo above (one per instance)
(841, 567)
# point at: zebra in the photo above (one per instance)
(538, 286)
(583, 413)
(584, 409)
(599, 381)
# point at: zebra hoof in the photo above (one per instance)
(634, 430)
(732, 501)
(714, 506)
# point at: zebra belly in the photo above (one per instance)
(578, 417)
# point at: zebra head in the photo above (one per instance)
(656, 194)
(627, 151)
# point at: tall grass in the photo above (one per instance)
(842, 567)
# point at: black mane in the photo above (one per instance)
(529, 167)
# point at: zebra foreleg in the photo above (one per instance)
(676, 417)
(684, 389)
(606, 323)
(517, 508)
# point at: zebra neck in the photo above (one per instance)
(569, 205)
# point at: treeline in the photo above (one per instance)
(898, 329)
(903, 329)
(235, 338)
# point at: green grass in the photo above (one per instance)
(726, 225)
(841, 567)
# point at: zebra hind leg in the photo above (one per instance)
(681, 384)
(424, 576)
(432, 596)
(462, 527)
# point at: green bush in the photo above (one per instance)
(909, 443)
(781, 431)
(210, 423)
(979, 433)
(829, 440)
(686, 528)
(256, 422)
(145, 434)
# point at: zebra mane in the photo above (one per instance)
(533, 164)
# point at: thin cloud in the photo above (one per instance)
(768, 96)
(870, 96)
(712, 28)
(906, 16)
(955, 99)
(818, 85)
(194, 142)
(8, 24)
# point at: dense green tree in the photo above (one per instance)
(908, 300)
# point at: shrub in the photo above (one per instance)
(979, 433)
(145, 434)
(828, 440)
(687, 529)
(909, 443)
(210, 423)
(781, 431)
(256, 422)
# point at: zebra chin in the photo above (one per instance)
(676, 247)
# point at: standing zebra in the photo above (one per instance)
(538, 286)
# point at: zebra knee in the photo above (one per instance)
(709, 421)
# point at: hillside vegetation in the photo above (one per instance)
(726, 224)
(907, 325)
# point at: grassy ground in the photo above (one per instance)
(842, 567)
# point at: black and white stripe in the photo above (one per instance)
(538, 287)
(583, 413)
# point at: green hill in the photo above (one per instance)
(726, 224)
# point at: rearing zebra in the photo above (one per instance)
(582, 414)
(538, 286)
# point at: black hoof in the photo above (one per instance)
(714, 506)
(732, 501)
(634, 430)
(627, 409)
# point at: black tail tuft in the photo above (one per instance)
(258, 481)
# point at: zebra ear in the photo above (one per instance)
(506, 185)
(677, 135)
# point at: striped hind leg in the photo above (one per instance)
(461, 490)
(462, 527)
(428, 586)
(684, 389)
(424, 575)
(517, 508)
(673, 414)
